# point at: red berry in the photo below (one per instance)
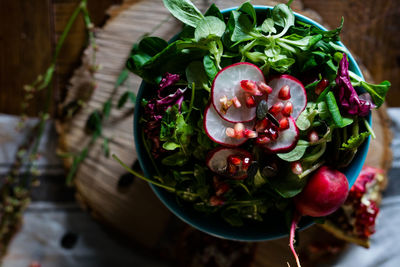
(287, 109)
(284, 93)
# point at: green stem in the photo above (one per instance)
(67, 28)
(146, 147)
(141, 176)
(369, 129)
(310, 170)
(191, 102)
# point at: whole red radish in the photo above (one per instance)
(324, 193)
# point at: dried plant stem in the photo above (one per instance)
(15, 192)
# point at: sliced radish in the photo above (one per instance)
(297, 93)
(227, 83)
(286, 140)
(215, 128)
(229, 162)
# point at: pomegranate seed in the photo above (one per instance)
(287, 109)
(250, 101)
(284, 93)
(230, 132)
(222, 189)
(249, 133)
(236, 102)
(296, 168)
(313, 136)
(216, 201)
(225, 104)
(321, 86)
(273, 134)
(276, 108)
(235, 160)
(263, 140)
(239, 130)
(219, 186)
(264, 88)
(250, 87)
(284, 124)
(261, 125)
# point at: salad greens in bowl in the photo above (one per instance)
(250, 118)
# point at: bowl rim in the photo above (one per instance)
(159, 192)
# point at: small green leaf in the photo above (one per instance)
(106, 109)
(209, 27)
(177, 159)
(47, 78)
(377, 91)
(195, 73)
(213, 10)
(209, 67)
(94, 122)
(170, 146)
(122, 77)
(283, 16)
(185, 11)
(297, 153)
(152, 45)
(124, 98)
(240, 27)
(248, 9)
(355, 141)
(268, 26)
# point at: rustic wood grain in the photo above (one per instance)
(25, 46)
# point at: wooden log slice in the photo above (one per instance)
(134, 210)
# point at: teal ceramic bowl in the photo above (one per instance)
(274, 225)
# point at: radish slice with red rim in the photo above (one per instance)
(287, 139)
(215, 128)
(227, 83)
(219, 162)
(298, 95)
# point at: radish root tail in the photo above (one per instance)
(296, 219)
